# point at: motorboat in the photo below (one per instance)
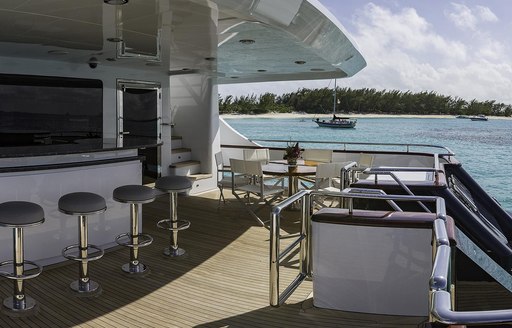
(102, 94)
(480, 117)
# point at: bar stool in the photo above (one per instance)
(83, 204)
(135, 195)
(173, 185)
(19, 215)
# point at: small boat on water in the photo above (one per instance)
(480, 117)
(462, 116)
(336, 121)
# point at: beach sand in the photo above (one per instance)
(326, 116)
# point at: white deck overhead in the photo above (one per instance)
(236, 41)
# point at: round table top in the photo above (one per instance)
(303, 168)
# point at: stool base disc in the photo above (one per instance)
(9, 303)
(174, 252)
(88, 289)
(135, 269)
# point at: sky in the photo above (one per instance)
(459, 48)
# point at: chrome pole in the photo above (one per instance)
(274, 260)
(83, 281)
(134, 250)
(19, 290)
(173, 207)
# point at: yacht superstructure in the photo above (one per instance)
(98, 94)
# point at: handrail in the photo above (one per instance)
(448, 152)
(390, 171)
(440, 297)
(276, 255)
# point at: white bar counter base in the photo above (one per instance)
(44, 243)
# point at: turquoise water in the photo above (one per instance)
(484, 148)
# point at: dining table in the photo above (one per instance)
(281, 168)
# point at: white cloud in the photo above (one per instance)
(465, 17)
(405, 52)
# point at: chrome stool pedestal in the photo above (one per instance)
(135, 195)
(173, 185)
(19, 215)
(83, 204)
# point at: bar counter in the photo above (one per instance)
(43, 179)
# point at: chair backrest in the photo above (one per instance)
(239, 166)
(219, 162)
(328, 170)
(317, 155)
(259, 154)
(365, 161)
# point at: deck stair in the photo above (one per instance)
(182, 162)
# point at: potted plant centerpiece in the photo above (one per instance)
(292, 153)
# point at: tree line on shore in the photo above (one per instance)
(360, 101)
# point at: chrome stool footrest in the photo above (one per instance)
(78, 257)
(10, 275)
(167, 224)
(144, 240)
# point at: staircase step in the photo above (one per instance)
(185, 168)
(176, 142)
(181, 155)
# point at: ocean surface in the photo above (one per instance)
(483, 147)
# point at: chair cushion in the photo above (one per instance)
(134, 194)
(82, 203)
(176, 183)
(20, 214)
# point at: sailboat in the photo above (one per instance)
(336, 121)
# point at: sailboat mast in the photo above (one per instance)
(334, 100)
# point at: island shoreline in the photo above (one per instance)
(328, 116)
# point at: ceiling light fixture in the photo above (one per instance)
(114, 40)
(247, 41)
(58, 52)
(116, 2)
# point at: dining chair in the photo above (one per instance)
(317, 155)
(264, 193)
(257, 154)
(224, 180)
(365, 161)
(327, 179)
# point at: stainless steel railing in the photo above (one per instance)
(445, 150)
(440, 298)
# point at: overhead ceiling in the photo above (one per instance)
(290, 39)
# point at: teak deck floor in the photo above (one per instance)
(221, 282)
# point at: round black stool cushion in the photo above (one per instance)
(19, 214)
(82, 203)
(173, 183)
(134, 194)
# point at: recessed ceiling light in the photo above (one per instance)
(58, 52)
(317, 70)
(262, 70)
(209, 58)
(247, 41)
(116, 2)
(300, 62)
(114, 39)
